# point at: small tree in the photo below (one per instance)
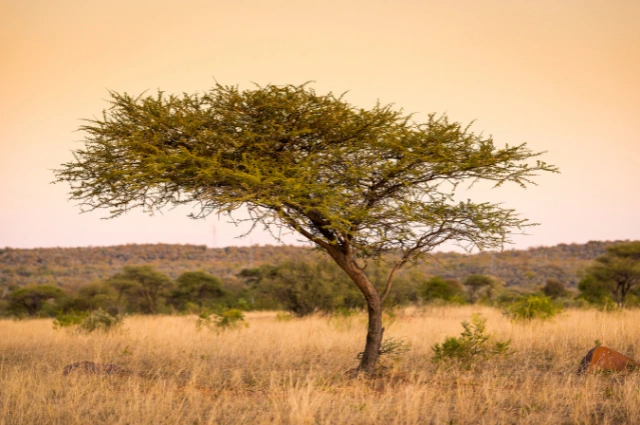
(143, 285)
(553, 288)
(476, 283)
(439, 288)
(356, 183)
(596, 291)
(618, 270)
(304, 287)
(31, 298)
(198, 288)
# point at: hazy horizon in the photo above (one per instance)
(561, 76)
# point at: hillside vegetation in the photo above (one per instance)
(71, 268)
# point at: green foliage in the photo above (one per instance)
(357, 183)
(445, 289)
(616, 272)
(596, 291)
(471, 346)
(392, 347)
(483, 288)
(95, 295)
(77, 267)
(475, 284)
(341, 176)
(142, 286)
(304, 287)
(229, 319)
(282, 316)
(553, 288)
(98, 320)
(69, 319)
(31, 299)
(197, 288)
(532, 307)
(310, 162)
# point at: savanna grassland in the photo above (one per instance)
(293, 372)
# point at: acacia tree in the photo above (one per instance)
(475, 283)
(196, 287)
(617, 271)
(143, 285)
(356, 183)
(32, 297)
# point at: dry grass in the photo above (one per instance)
(293, 373)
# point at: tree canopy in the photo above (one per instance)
(355, 182)
(475, 283)
(338, 174)
(617, 271)
(31, 298)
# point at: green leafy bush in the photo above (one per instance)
(471, 346)
(283, 316)
(230, 319)
(438, 288)
(69, 319)
(98, 320)
(532, 307)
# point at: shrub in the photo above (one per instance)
(477, 284)
(471, 346)
(230, 319)
(66, 320)
(532, 307)
(445, 289)
(283, 316)
(553, 288)
(98, 320)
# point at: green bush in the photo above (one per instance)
(283, 316)
(230, 319)
(532, 307)
(98, 320)
(471, 346)
(438, 288)
(553, 288)
(69, 319)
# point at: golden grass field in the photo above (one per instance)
(292, 372)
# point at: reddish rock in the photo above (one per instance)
(95, 368)
(605, 359)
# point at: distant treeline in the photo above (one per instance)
(72, 268)
(166, 279)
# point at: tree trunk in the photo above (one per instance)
(375, 331)
(619, 295)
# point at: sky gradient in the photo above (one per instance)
(563, 76)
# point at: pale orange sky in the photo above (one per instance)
(563, 76)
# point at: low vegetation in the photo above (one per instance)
(473, 345)
(293, 372)
(532, 307)
(72, 268)
(314, 284)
